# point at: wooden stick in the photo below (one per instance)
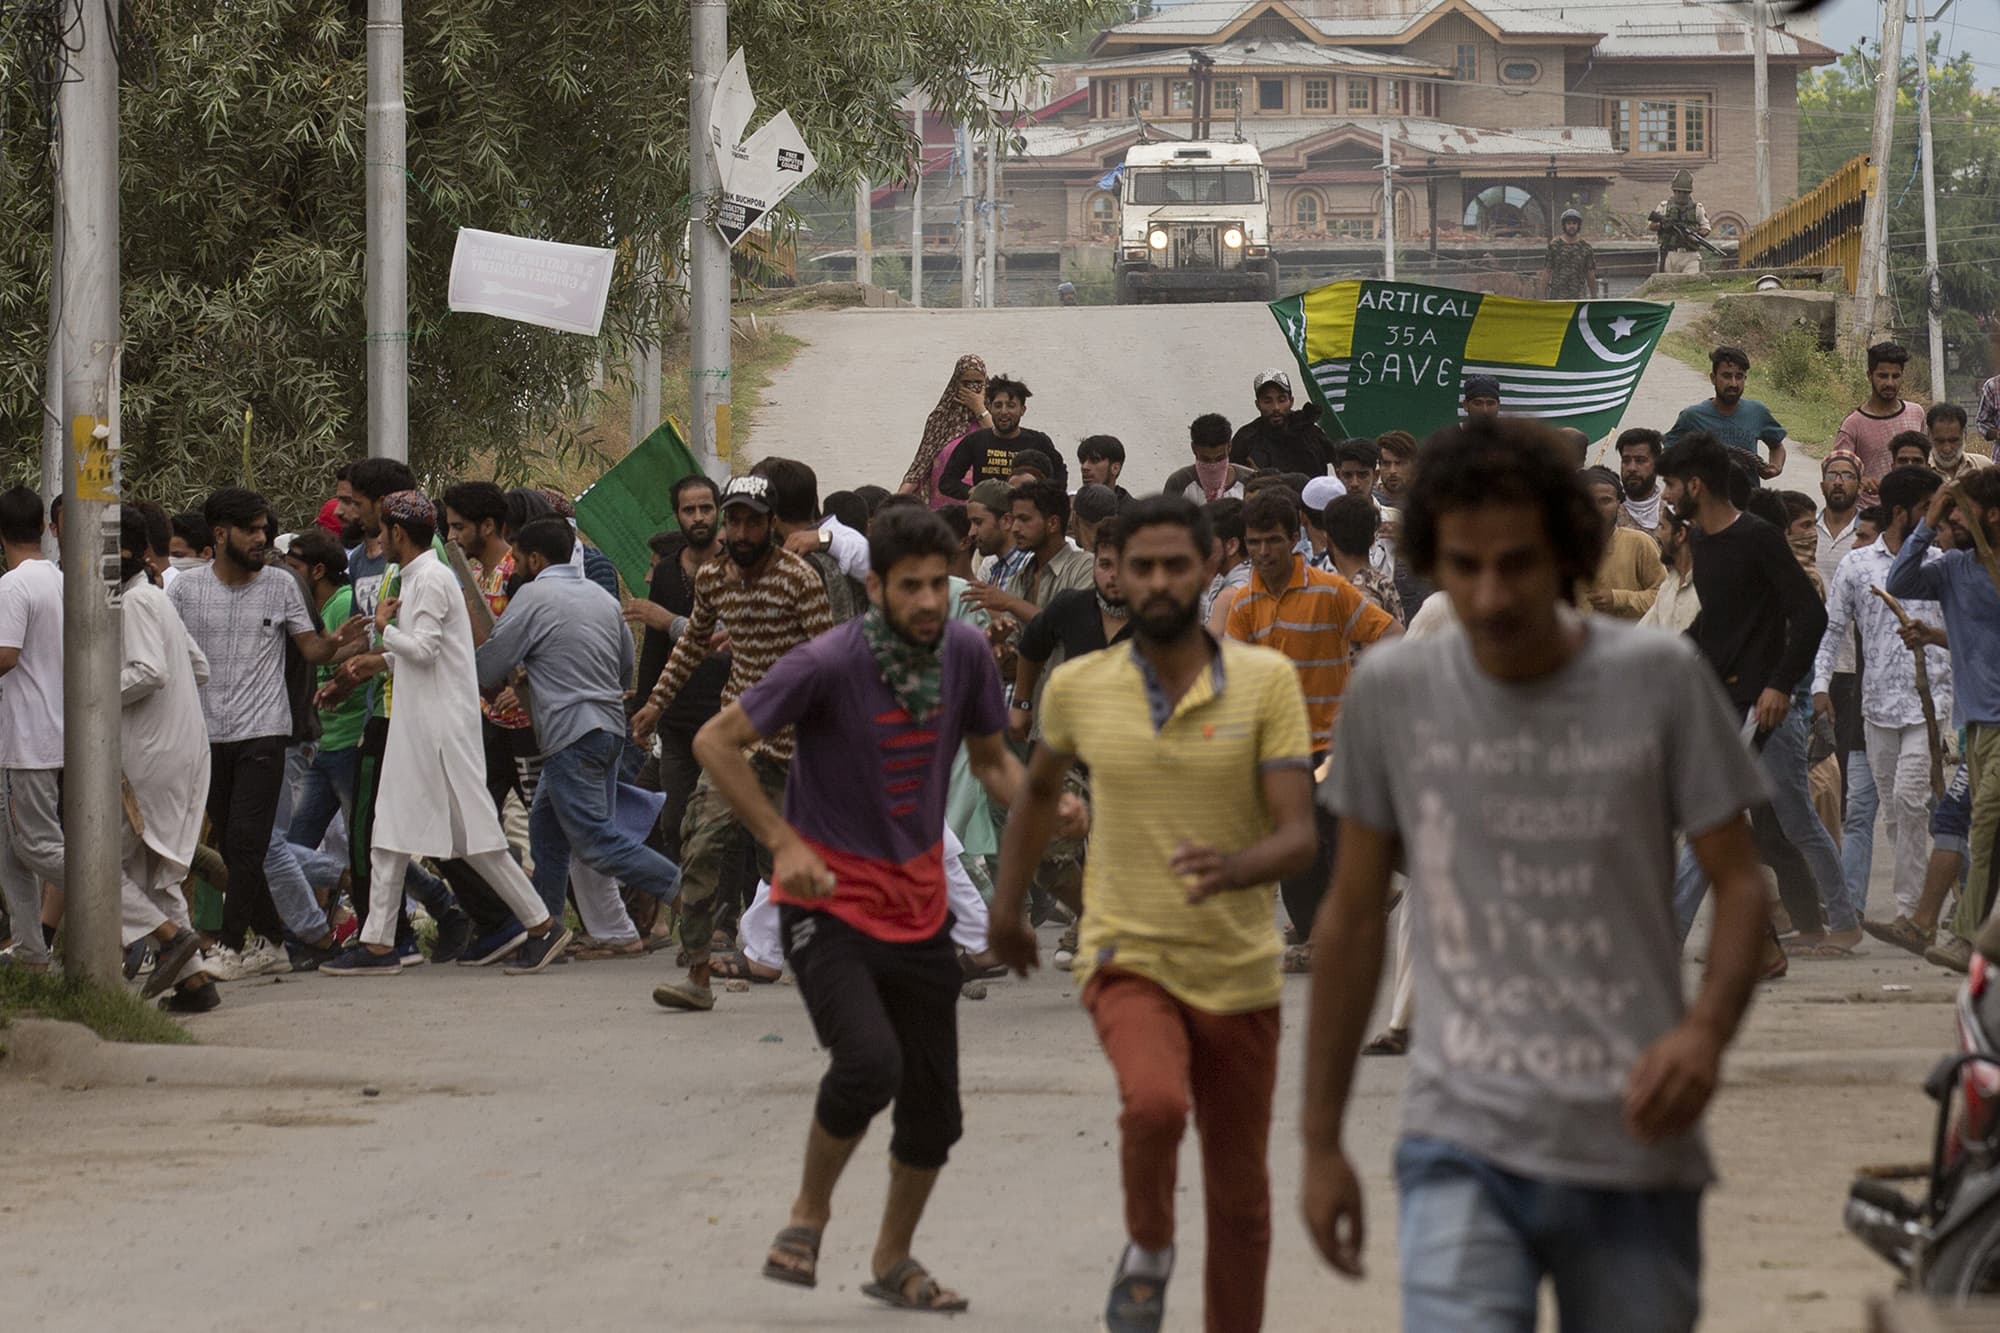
(1924, 700)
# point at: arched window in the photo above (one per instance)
(1729, 227)
(1504, 210)
(1306, 210)
(1103, 214)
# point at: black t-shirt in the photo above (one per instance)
(989, 458)
(1071, 622)
(701, 698)
(1761, 619)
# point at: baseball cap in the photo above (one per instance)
(1321, 492)
(1482, 386)
(1847, 456)
(753, 492)
(1271, 376)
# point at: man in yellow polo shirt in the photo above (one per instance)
(1200, 768)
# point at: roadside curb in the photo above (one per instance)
(71, 1056)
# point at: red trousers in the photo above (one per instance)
(1166, 1056)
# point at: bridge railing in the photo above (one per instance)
(1821, 227)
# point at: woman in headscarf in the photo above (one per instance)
(960, 411)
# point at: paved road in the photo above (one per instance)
(853, 402)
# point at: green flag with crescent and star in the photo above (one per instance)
(1380, 356)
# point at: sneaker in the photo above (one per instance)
(223, 963)
(454, 937)
(311, 957)
(138, 957)
(10, 958)
(495, 945)
(187, 1000)
(540, 951)
(264, 958)
(1137, 1303)
(1951, 952)
(411, 955)
(174, 957)
(362, 961)
(346, 926)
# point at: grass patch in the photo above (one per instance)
(1809, 388)
(114, 1015)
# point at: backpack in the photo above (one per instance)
(847, 597)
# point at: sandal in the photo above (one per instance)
(1298, 960)
(1137, 1304)
(892, 1288)
(801, 1245)
(587, 950)
(1392, 1041)
(973, 970)
(737, 966)
(1823, 952)
(1902, 932)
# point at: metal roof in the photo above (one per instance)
(1254, 52)
(1440, 138)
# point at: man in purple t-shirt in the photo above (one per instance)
(858, 873)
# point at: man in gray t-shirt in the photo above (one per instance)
(1557, 1076)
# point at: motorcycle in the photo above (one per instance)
(1947, 1245)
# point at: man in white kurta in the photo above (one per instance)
(164, 746)
(432, 800)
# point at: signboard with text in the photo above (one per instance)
(536, 282)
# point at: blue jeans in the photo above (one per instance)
(326, 788)
(291, 891)
(1783, 760)
(1475, 1242)
(1857, 831)
(572, 815)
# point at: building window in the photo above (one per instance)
(1519, 71)
(1180, 96)
(1111, 91)
(1353, 227)
(1228, 96)
(1361, 95)
(1103, 213)
(1270, 94)
(1306, 210)
(1319, 94)
(1659, 126)
(1467, 69)
(1396, 96)
(1729, 227)
(1140, 92)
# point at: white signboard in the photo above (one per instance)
(536, 282)
(759, 171)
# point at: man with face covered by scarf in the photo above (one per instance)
(771, 601)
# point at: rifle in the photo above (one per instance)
(1932, 732)
(1670, 231)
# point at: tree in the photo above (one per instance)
(243, 208)
(1835, 106)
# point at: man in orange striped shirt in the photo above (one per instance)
(1320, 621)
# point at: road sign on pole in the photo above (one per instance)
(536, 282)
(757, 172)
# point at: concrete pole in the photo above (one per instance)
(917, 233)
(1875, 215)
(1761, 73)
(1933, 288)
(87, 194)
(388, 290)
(992, 223)
(864, 234)
(708, 276)
(1388, 209)
(52, 382)
(968, 211)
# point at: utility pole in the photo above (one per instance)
(992, 212)
(388, 289)
(864, 234)
(52, 382)
(968, 206)
(1933, 288)
(1875, 214)
(917, 226)
(1761, 73)
(87, 194)
(708, 260)
(1388, 208)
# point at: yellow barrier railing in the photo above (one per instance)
(1819, 228)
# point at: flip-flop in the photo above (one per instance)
(1392, 1041)
(794, 1243)
(734, 966)
(1902, 932)
(1824, 952)
(889, 1289)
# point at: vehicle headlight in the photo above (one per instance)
(1233, 238)
(1158, 238)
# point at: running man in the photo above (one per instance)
(1557, 1080)
(1201, 784)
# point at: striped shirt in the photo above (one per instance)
(783, 608)
(1163, 773)
(1318, 619)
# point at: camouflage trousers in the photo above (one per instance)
(708, 831)
(1061, 869)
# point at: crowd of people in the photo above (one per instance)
(876, 738)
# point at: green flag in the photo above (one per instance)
(634, 500)
(1383, 356)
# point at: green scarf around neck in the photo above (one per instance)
(913, 673)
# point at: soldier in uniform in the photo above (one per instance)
(1569, 273)
(1678, 220)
